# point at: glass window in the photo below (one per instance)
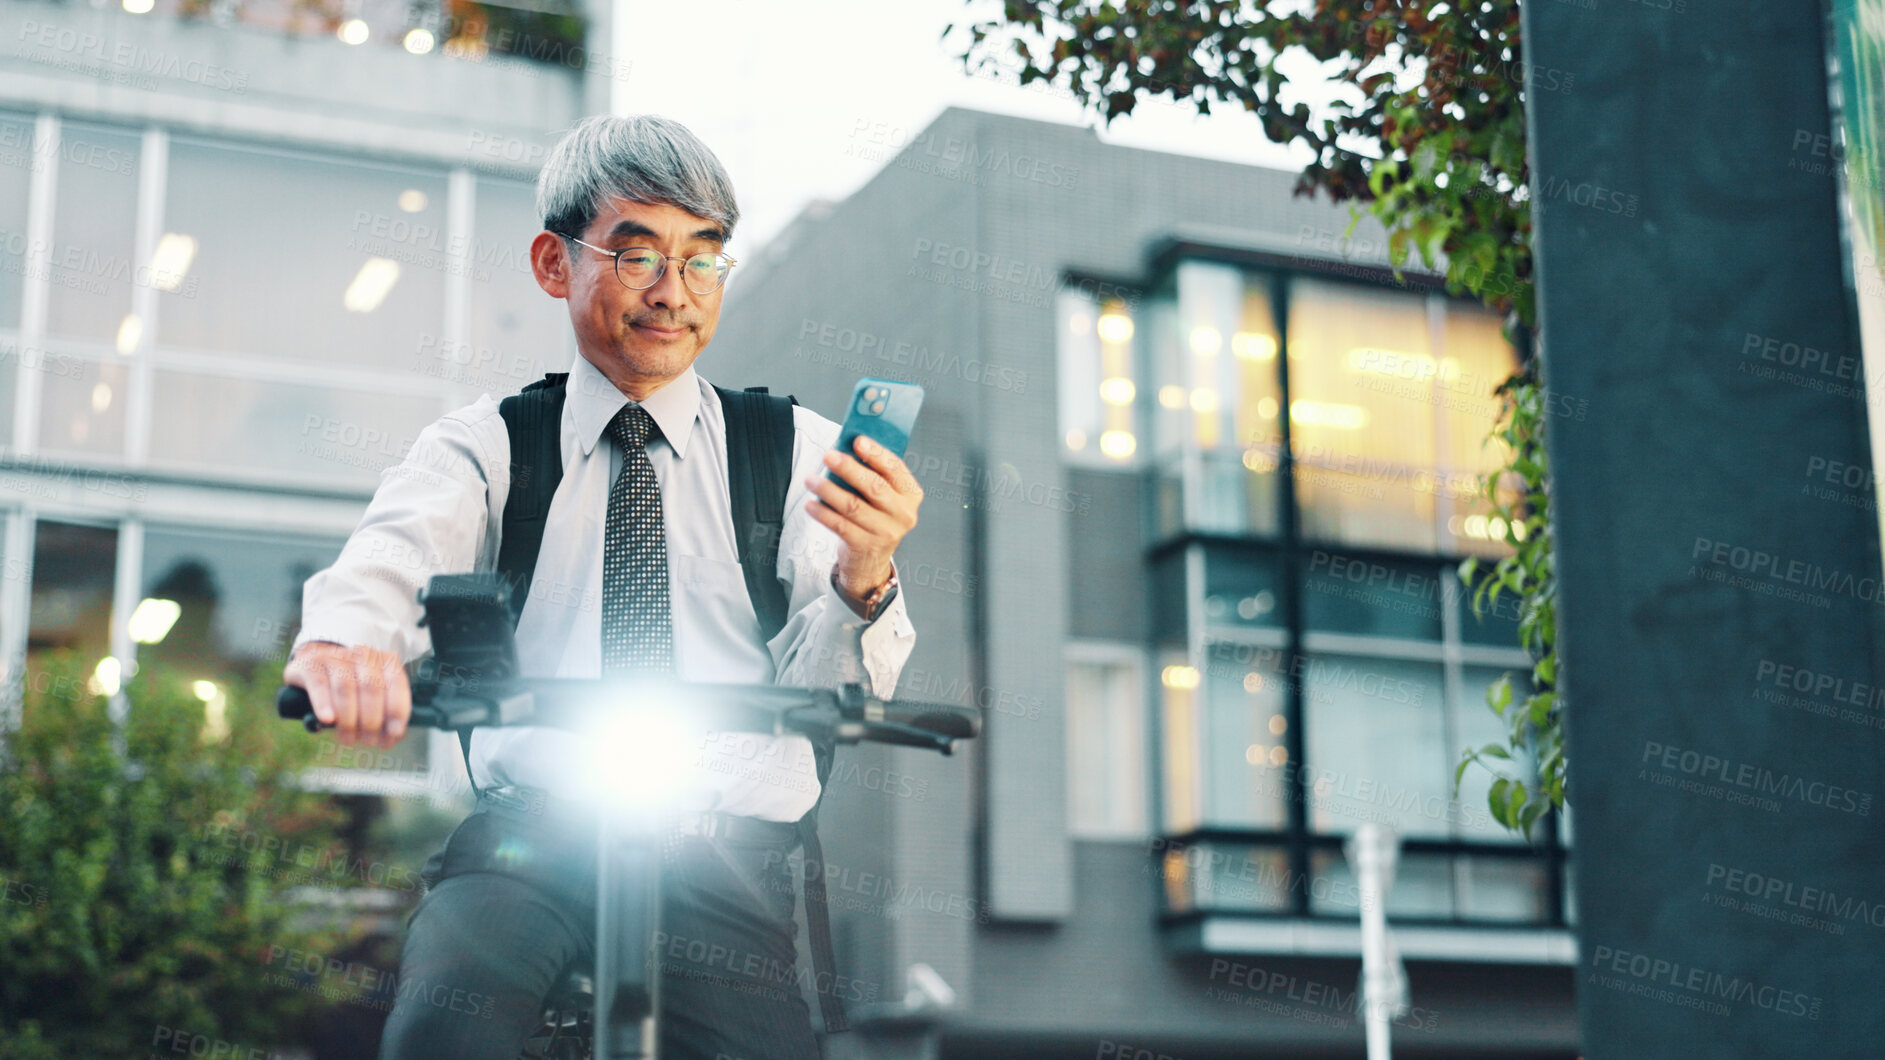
(1372, 596)
(240, 594)
(1376, 745)
(1099, 381)
(1422, 887)
(16, 179)
(517, 332)
(1361, 425)
(94, 234)
(1242, 588)
(73, 574)
(214, 423)
(1219, 877)
(1179, 734)
(1502, 889)
(1105, 747)
(1242, 751)
(301, 257)
(81, 406)
(1217, 395)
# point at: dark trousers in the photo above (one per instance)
(511, 906)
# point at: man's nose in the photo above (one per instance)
(668, 292)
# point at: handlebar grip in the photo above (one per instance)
(292, 703)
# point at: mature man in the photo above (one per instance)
(636, 213)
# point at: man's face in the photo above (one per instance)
(643, 339)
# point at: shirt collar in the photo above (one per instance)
(596, 401)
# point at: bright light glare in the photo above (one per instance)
(637, 759)
(105, 677)
(139, 7)
(152, 619)
(353, 31)
(419, 41)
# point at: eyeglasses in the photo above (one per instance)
(640, 268)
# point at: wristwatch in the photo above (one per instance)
(878, 599)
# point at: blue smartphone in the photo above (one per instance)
(882, 410)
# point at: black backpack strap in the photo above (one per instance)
(759, 438)
(534, 421)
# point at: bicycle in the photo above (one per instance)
(471, 679)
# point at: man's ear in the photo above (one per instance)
(549, 260)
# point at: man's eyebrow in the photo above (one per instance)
(624, 229)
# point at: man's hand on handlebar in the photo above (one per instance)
(360, 691)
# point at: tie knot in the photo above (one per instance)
(632, 427)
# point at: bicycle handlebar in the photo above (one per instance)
(847, 714)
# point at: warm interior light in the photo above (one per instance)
(412, 200)
(1328, 414)
(419, 40)
(1172, 397)
(1117, 391)
(1266, 407)
(1253, 682)
(205, 690)
(1076, 439)
(130, 333)
(1204, 399)
(139, 7)
(1118, 444)
(353, 31)
(1249, 344)
(1206, 340)
(1115, 327)
(101, 397)
(171, 260)
(371, 285)
(1179, 677)
(152, 619)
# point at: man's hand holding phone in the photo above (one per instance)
(870, 523)
(362, 692)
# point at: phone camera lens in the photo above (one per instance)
(878, 405)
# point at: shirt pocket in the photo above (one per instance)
(714, 616)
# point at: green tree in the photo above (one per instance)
(144, 868)
(1427, 133)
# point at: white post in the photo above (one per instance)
(1372, 853)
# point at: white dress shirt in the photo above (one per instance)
(441, 510)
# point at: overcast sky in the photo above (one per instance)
(788, 93)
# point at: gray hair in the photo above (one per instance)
(642, 158)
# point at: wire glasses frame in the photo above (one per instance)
(722, 265)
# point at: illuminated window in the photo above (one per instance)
(1099, 383)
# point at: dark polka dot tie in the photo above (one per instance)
(637, 631)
